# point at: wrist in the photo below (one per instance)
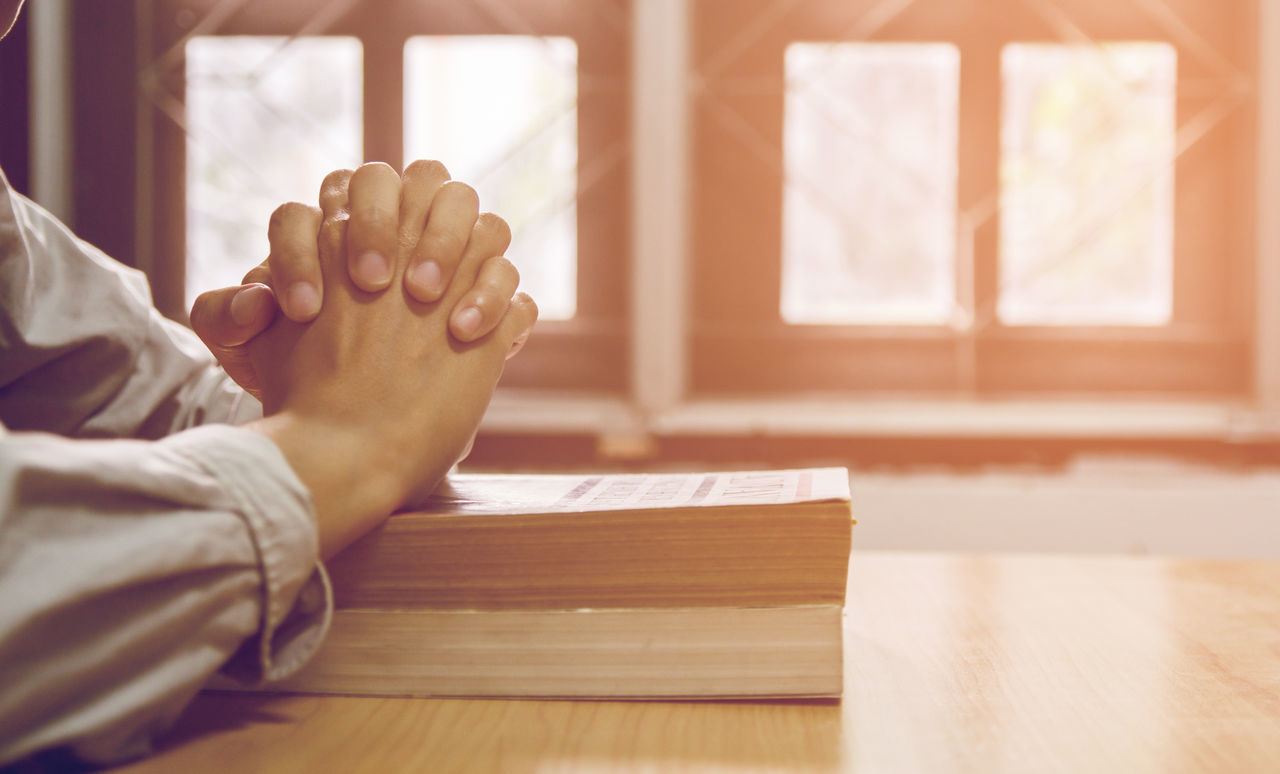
(353, 481)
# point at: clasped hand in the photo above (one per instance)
(370, 397)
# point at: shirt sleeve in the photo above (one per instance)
(131, 571)
(85, 353)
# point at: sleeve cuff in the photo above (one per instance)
(297, 601)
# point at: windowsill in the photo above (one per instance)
(1109, 504)
(534, 412)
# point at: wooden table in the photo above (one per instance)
(953, 663)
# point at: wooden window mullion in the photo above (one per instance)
(979, 199)
(383, 91)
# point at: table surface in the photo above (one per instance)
(952, 663)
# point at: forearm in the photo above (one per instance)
(133, 571)
(356, 478)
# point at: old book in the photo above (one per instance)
(638, 653)
(501, 542)
(709, 585)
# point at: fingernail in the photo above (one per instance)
(303, 300)
(245, 304)
(427, 278)
(468, 321)
(373, 269)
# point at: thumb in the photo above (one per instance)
(229, 317)
(518, 322)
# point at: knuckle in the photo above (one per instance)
(372, 219)
(375, 168)
(493, 226)
(199, 307)
(204, 314)
(286, 265)
(463, 193)
(333, 233)
(288, 213)
(406, 242)
(480, 301)
(504, 271)
(260, 273)
(375, 193)
(337, 178)
(334, 186)
(426, 169)
(445, 247)
(492, 304)
(527, 305)
(372, 173)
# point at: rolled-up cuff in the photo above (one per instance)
(297, 601)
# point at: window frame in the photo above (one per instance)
(658, 402)
(739, 345)
(588, 352)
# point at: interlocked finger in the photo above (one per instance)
(483, 306)
(374, 202)
(450, 222)
(294, 264)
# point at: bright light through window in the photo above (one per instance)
(1086, 206)
(501, 113)
(267, 119)
(869, 207)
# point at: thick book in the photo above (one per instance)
(707, 585)
(500, 542)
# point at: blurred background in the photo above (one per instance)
(1013, 262)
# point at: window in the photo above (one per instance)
(954, 199)
(527, 102)
(971, 198)
(267, 118)
(502, 110)
(1086, 183)
(869, 205)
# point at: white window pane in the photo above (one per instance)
(267, 119)
(869, 207)
(1086, 205)
(501, 112)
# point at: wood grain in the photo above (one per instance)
(952, 663)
